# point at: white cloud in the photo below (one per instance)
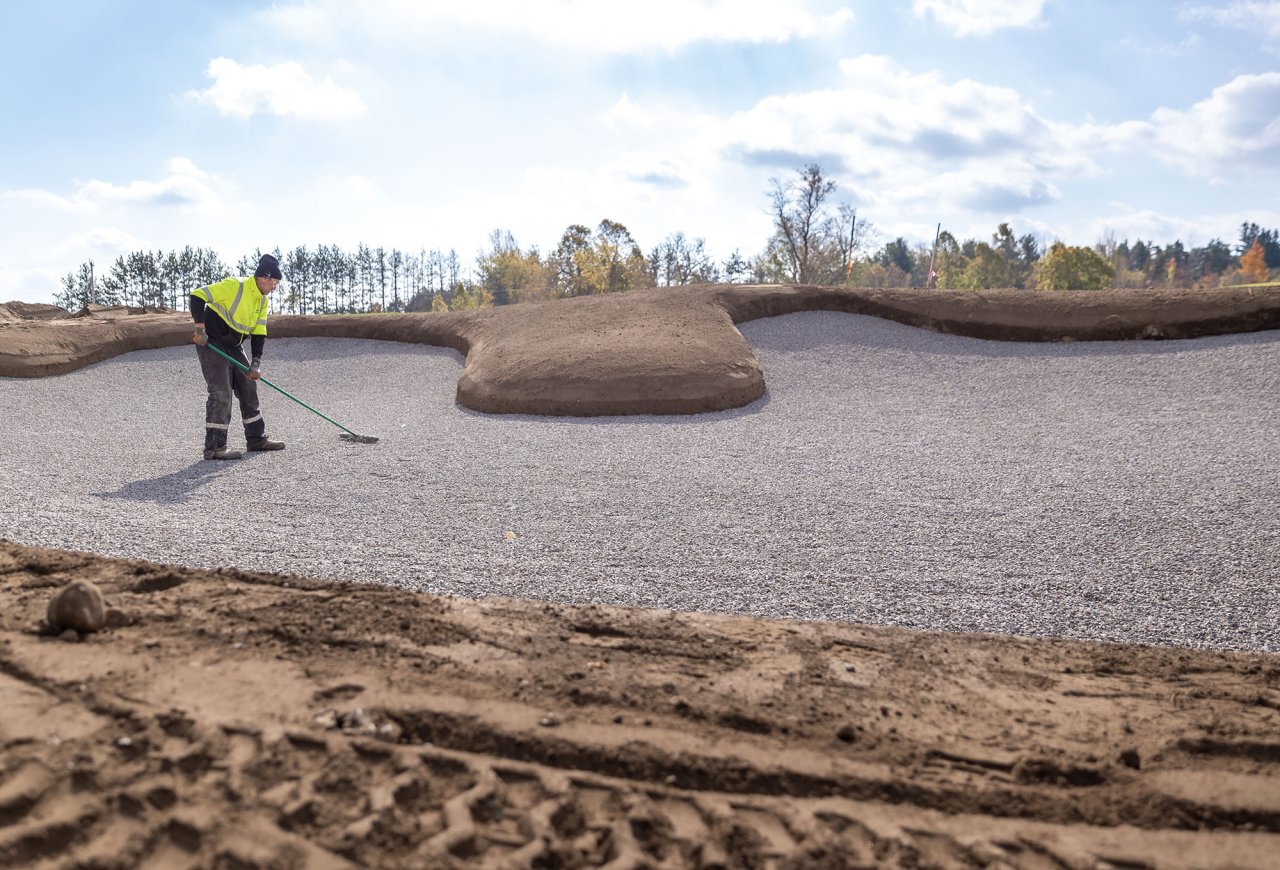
(666, 119)
(980, 17)
(39, 199)
(39, 283)
(184, 185)
(1237, 126)
(1128, 222)
(98, 243)
(1252, 15)
(28, 285)
(616, 26)
(894, 137)
(896, 140)
(285, 89)
(360, 187)
(1133, 224)
(611, 188)
(626, 113)
(649, 169)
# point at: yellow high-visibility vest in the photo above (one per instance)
(239, 302)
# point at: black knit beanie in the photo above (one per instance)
(268, 267)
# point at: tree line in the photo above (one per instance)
(814, 241)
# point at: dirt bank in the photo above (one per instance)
(671, 350)
(231, 719)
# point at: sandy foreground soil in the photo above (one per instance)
(228, 719)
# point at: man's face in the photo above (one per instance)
(266, 285)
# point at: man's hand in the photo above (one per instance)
(254, 365)
(199, 337)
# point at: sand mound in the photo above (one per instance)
(670, 350)
(12, 312)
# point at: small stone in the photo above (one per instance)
(1130, 758)
(550, 720)
(357, 721)
(70, 636)
(846, 734)
(117, 618)
(78, 605)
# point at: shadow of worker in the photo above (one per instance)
(175, 488)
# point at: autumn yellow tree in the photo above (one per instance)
(470, 296)
(510, 275)
(1253, 263)
(1072, 268)
(608, 261)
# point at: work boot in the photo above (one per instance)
(222, 453)
(266, 444)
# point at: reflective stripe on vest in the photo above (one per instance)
(229, 315)
(226, 298)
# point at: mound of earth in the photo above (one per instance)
(11, 312)
(671, 350)
(226, 719)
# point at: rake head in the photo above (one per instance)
(358, 439)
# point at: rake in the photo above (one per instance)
(347, 434)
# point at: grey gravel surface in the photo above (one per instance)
(1108, 491)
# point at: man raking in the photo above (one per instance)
(225, 314)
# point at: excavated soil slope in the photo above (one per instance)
(666, 350)
(238, 720)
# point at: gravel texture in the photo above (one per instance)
(1109, 491)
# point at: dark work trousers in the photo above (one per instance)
(223, 379)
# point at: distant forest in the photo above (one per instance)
(812, 243)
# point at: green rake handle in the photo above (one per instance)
(245, 368)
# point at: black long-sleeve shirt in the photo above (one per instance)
(222, 334)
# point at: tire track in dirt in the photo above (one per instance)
(228, 719)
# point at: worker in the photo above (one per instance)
(225, 313)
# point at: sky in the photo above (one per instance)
(238, 125)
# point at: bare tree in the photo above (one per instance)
(810, 245)
(677, 260)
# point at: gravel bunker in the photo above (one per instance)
(1103, 490)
